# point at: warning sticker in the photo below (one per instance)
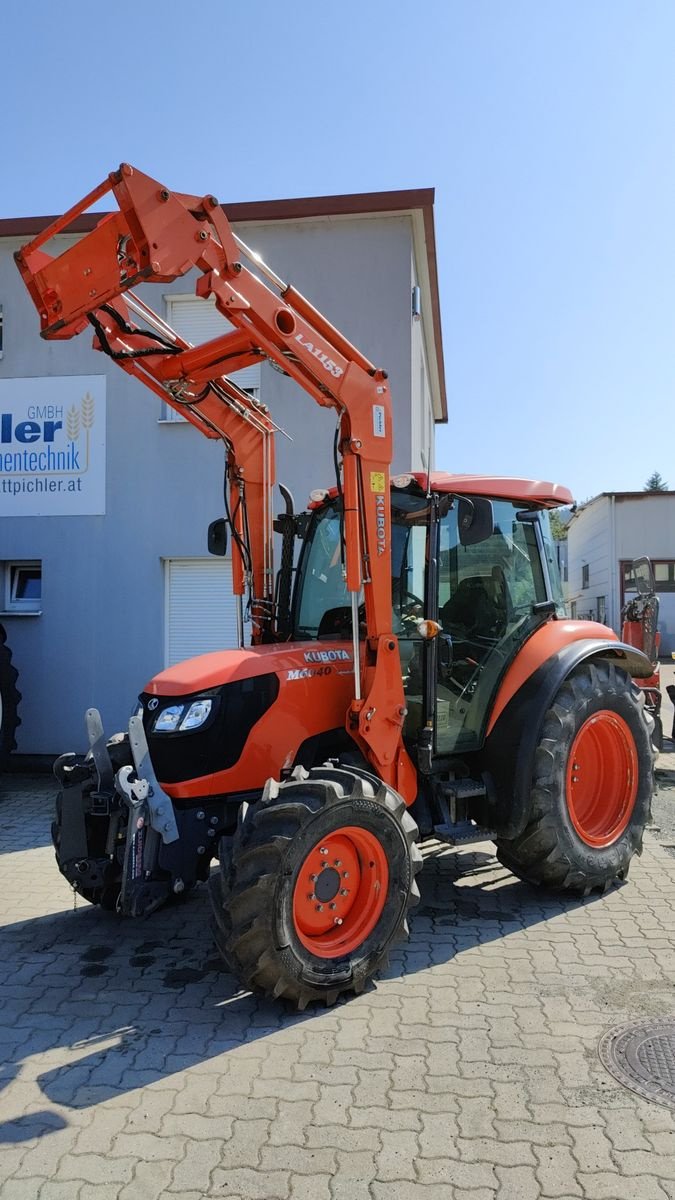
(377, 481)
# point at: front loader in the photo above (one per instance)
(417, 680)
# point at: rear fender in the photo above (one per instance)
(507, 757)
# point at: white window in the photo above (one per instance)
(199, 321)
(22, 584)
(201, 609)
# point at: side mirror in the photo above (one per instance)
(475, 520)
(643, 574)
(217, 539)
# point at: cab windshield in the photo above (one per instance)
(322, 607)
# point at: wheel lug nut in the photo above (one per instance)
(332, 905)
(319, 908)
(311, 896)
(345, 874)
(313, 878)
(337, 920)
(323, 850)
(344, 892)
(337, 863)
(324, 864)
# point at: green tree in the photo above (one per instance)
(558, 526)
(655, 483)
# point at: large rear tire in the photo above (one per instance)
(9, 701)
(316, 884)
(592, 785)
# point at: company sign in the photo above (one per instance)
(52, 446)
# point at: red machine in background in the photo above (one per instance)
(639, 628)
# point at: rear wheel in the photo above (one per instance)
(316, 885)
(592, 785)
(9, 701)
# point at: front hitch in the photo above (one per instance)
(112, 819)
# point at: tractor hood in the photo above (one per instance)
(223, 723)
(227, 666)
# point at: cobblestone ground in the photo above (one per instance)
(133, 1068)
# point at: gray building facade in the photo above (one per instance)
(604, 536)
(104, 586)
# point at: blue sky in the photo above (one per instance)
(547, 129)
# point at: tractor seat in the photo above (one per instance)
(478, 606)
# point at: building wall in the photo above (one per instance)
(101, 633)
(421, 416)
(589, 543)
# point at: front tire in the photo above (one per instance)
(316, 885)
(592, 785)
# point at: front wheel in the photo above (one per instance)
(316, 885)
(592, 785)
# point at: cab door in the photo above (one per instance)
(492, 595)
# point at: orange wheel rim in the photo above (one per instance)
(602, 779)
(340, 892)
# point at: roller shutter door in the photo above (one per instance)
(200, 607)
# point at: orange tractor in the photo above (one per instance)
(418, 680)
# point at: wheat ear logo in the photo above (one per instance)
(82, 418)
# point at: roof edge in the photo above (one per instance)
(349, 204)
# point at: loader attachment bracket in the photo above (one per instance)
(99, 751)
(160, 808)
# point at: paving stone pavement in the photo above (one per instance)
(133, 1067)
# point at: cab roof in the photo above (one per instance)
(496, 487)
(502, 487)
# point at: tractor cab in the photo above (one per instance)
(479, 572)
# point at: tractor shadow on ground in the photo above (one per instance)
(130, 1003)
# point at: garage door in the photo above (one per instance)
(200, 607)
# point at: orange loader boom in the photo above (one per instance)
(158, 236)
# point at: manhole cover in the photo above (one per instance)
(642, 1057)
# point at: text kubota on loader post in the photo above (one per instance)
(420, 666)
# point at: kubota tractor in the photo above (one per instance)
(421, 665)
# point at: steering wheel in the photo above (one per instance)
(411, 608)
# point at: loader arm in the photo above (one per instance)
(158, 236)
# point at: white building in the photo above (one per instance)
(604, 536)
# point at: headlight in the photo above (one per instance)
(196, 714)
(178, 718)
(168, 719)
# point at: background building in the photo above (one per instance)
(105, 497)
(604, 536)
